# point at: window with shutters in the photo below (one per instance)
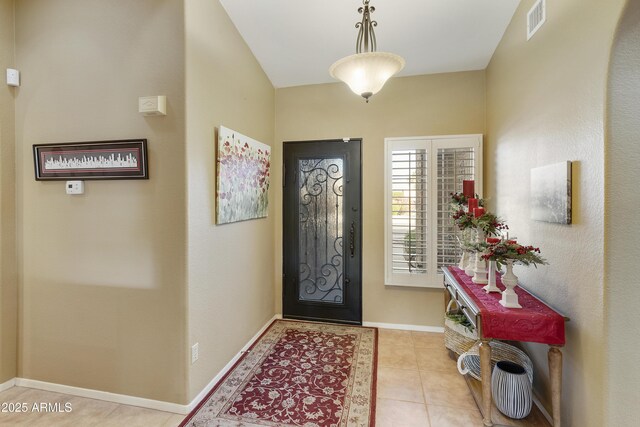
(420, 175)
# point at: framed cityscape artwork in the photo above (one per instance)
(122, 159)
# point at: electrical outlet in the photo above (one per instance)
(195, 350)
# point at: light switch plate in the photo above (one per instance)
(195, 352)
(13, 77)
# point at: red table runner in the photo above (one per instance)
(534, 322)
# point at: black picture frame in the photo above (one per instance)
(119, 159)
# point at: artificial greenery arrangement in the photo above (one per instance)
(490, 224)
(460, 319)
(463, 219)
(506, 250)
(459, 200)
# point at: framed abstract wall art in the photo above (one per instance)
(243, 171)
(551, 193)
(122, 159)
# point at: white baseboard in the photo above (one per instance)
(7, 384)
(228, 366)
(132, 400)
(103, 395)
(174, 407)
(542, 409)
(420, 328)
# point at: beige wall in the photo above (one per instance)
(103, 274)
(230, 267)
(622, 227)
(438, 104)
(109, 312)
(546, 104)
(8, 283)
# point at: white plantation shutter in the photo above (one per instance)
(454, 164)
(420, 175)
(409, 178)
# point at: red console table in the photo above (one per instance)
(534, 322)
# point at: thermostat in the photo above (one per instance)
(74, 187)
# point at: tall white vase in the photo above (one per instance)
(480, 268)
(510, 281)
(491, 287)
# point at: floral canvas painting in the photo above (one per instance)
(242, 177)
(551, 193)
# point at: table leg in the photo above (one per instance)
(485, 371)
(447, 298)
(555, 374)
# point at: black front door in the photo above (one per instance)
(322, 236)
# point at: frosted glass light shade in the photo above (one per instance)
(366, 73)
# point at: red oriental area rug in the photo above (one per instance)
(297, 374)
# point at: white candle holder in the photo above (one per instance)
(480, 267)
(491, 287)
(467, 255)
(464, 260)
(468, 269)
(510, 281)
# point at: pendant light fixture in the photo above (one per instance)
(366, 71)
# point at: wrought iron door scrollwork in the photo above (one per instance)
(320, 230)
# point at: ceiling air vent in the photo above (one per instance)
(536, 17)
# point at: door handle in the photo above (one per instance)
(352, 239)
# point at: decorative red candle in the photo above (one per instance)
(478, 212)
(493, 240)
(472, 203)
(468, 188)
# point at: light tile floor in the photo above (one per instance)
(418, 386)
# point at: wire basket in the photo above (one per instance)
(469, 362)
(457, 337)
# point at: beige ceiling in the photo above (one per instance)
(296, 41)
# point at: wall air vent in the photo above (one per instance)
(536, 17)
